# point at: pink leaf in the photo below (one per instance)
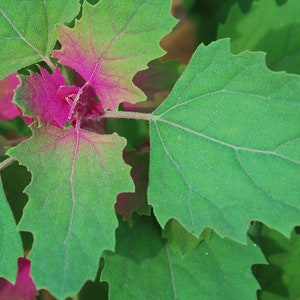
(8, 110)
(37, 97)
(23, 289)
(47, 98)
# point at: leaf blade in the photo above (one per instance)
(76, 178)
(23, 42)
(278, 39)
(240, 135)
(141, 252)
(10, 241)
(108, 63)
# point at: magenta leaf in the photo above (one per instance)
(8, 110)
(47, 98)
(38, 98)
(24, 289)
(111, 42)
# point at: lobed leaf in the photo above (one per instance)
(144, 267)
(111, 42)
(275, 32)
(10, 240)
(76, 177)
(225, 146)
(27, 31)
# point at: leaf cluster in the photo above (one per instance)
(148, 155)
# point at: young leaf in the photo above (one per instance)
(118, 41)
(10, 240)
(276, 33)
(8, 110)
(76, 176)
(23, 289)
(144, 267)
(38, 97)
(27, 31)
(225, 145)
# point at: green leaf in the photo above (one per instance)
(225, 146)
(28, 32)
(76, 176)
(14, 186)
(144, 267)
(10, 240)
(118, 41)
(276, 32)
(179, 238)
(279, 279)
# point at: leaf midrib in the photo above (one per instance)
(225, 144)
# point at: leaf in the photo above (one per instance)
(38, 97)
(10, 240)
(144, 267)
(17, 199)
(8, 110)
(28, 33)
(225, 146)
(118, 41)
(279, 278)
(179, 238)
(76, 176)
(275, 33)
(128, 203)
(23, 289)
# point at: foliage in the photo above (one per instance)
(139, 177)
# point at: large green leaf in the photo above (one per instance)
(144, 267)
(76, 176)
(28, 32)
(267, 27)
(10, 240)
(111, 42)
(225, 145)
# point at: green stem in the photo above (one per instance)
(127, 115)
(48, 61)
(6, 163)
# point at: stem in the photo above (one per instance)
(6, 163)
(127, 115)
(48, 61)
